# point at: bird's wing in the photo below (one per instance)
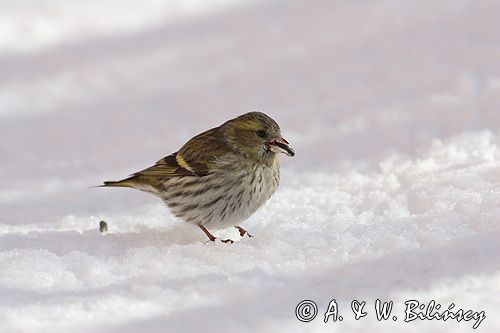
(196, 158)
(200, 154)
(166, 167)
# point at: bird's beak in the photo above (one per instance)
(281, 146)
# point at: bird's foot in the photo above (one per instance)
(212, 238)
(242, 231)
(209, 235)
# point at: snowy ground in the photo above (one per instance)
(393, 110)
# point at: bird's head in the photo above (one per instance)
(256, 135)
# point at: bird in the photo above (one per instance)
(220, 177)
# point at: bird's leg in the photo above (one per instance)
(242, 231)
(209, 235)
(212, 237)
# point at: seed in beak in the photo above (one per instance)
(284, 147)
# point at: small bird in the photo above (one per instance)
(219, 177)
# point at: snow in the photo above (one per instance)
(392, 108)
(27, 25)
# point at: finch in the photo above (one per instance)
(219, 177)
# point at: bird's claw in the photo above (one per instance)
(243, 232)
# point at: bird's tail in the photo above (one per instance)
(120, 183)
(134, 181)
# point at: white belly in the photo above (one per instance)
(230, 201)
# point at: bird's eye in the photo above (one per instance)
(261, 134)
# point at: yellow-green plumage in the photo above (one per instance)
(219, 177)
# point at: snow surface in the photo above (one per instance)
(391, 106)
